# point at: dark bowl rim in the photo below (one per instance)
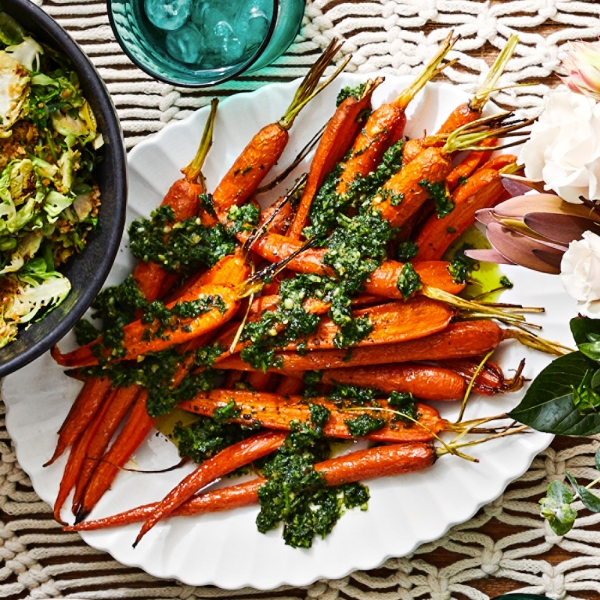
(94, 85)
(236, 72)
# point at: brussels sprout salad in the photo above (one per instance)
(48, 198)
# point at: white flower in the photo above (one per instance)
(564, 147)
(580, 273)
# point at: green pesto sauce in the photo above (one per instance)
(180, 248)
(438, 193)
(355, 249)
(296, 495)
(243, 218)
(406, 250)
(364, 425)
(350, 92)
(409, 281)
(483, 279)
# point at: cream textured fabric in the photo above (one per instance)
(396, 36)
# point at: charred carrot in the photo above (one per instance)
(137, 426)
(392, 322)
(471, 111)
(289, 386)
(276, 412)
(483, 190)
(92, 394)
(117, 407)
(77, 455)
(380, 461)
(266, 147)
(139, 338)
(335, 142)
(499, 162)
(228, 460)
(260, 381)
(467, 167)
(385, 126)
(383, 281)
(458, 340)
(427, 382)
(490, 380)
(183, 198)
(465, 113)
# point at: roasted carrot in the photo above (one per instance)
(117, 407)
(76, 458)
(385, 125)
(289, 386)
(391, 323)
(137, 426)
(482, 190)
(139, 338)
(499, 162)
(264, 150)
(458, 340)
(276, 412)
(335, 142)
(465, 113)
(184, 199)
(490, 380)
(380, 461)
(427, 382)
(383, 281)
(471, 111)
(228, 460)
(471, 162)
(92, 394)
(260, 381)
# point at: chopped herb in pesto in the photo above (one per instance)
(461, 265)
(296, 494)
(243, 218)
(506, 282)
(155, 373)
(409, 281)
(166, 320)
(182, 247)
(437, 192)
(206, 355)
(207, 437)
(319, 415)
(224, 414)
(462, 180)
(350, 92)
(406, 250)
(364, 425)
(346, 396)
(404, 403)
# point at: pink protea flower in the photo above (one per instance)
(583, 68)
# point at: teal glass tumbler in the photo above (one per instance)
(147, 45)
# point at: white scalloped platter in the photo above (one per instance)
(225, 549)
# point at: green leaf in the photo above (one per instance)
(591, 350)
(590, 501)
(583, 327)
(11, 33)
(560, 493)
(585, 397)
(598, 459)
(556, 508)
(548, 404)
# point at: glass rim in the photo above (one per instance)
(235, 72)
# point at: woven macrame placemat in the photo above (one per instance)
(506, 546)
